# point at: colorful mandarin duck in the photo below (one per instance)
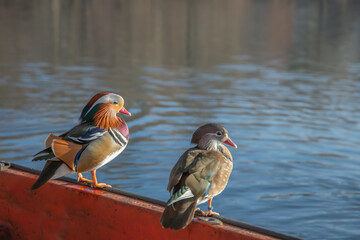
(99, 137)
(200, 174)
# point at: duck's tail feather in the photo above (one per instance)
(179, 214)
(45, 154)
(47, 173)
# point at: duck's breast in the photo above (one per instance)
(99, 153)
(221, 178)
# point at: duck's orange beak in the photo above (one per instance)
(124, 111)
(231, 143)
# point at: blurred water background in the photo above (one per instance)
(282, 76)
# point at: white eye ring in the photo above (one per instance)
(218, 133)
(116, 103)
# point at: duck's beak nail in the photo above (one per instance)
(124, 111)
(231, 143)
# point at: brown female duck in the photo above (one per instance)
(200, 174)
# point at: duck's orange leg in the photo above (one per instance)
(95, 183)
(209, 212)
(82, 179)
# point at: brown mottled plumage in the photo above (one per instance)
(200, 174)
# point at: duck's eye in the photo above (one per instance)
(116, 103)
(218, 133)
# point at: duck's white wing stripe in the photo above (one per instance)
(185, 195)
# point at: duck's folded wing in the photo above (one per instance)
(68, 147)
(206, 165)
(197, 176)
(181, 167)
(201, 173)
(84, 133)
(68, 152)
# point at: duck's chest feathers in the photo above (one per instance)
(99, 153)
(221, 179)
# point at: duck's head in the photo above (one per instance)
(210, 136)
(104, 109)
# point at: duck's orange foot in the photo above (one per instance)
(82, 179)
(200, 211)
(100, 185)
(210, 213)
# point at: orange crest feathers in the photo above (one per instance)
(106, 117)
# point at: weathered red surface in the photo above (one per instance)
(61, 210)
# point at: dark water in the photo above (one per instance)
(282, 76)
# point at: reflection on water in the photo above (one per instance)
(283, 77)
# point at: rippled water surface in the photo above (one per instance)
(282, 76)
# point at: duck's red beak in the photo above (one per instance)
(231, 143)
(124, 111)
